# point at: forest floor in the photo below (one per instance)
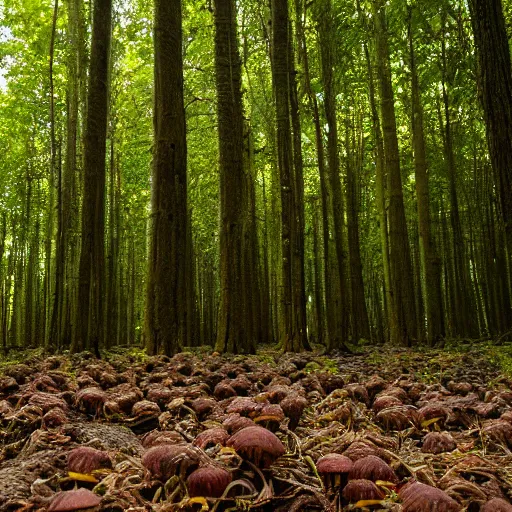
(437, 417)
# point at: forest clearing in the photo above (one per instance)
(256, 255)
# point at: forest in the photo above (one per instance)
(296, 172)
(256, 255)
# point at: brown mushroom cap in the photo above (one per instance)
(156, 437)
(334, 463)
(438, 442)
(165, 460)
(424, 498)
(74, 500)
(357, 490)
(293, 406)
(85, 459)
(208, 481)
(496, 505)
(372, 468)
(211, 437)
(258, 445)
(234, 422)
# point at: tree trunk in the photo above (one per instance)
(234, 326)
(402, 293)
(495, 83)
(91, 300)
(430, 263)
(360, 322)
(165, 304)
(326, 37)
(294, 335)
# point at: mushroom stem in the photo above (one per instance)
(266, 492)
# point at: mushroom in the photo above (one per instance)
(81, 499)
(357, 490)
(90, 400)
(54, 418)
(372, 468)
(203, 406)
(293, 406)
(258, 445)
(496, 505)
(156, 437)
(375, 384)
(419, 497)
(211, 437)
(399, 417)
(334, 469)
(85, 459)
(358, 392)
(243, 406)
(359, 449)
(270, 416)
(208, 481)
(438, 442)
(223, 390)
(234, 422)
(384, 402)
(165, 460)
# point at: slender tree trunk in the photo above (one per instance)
(234, 330)
(399, 252)
(91, 293)
(333, 320)
(165, 304)
(360, 322)
(464, 313)
(380, 194)
(430, 263)
(326, 36)
(293, 313)
(53, 338)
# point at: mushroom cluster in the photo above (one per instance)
(210, 431)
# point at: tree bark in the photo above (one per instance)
(430, 262)
(234, 332)
(399, 252)
(495, 84)
(166, 288)
(90, 313)
(294, 336)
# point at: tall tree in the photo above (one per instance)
(90, 314)
(327, 31)
(234, 331)
(403, 328)
(428, 255)
(165, 315)
(293, 300)
(495, 81)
